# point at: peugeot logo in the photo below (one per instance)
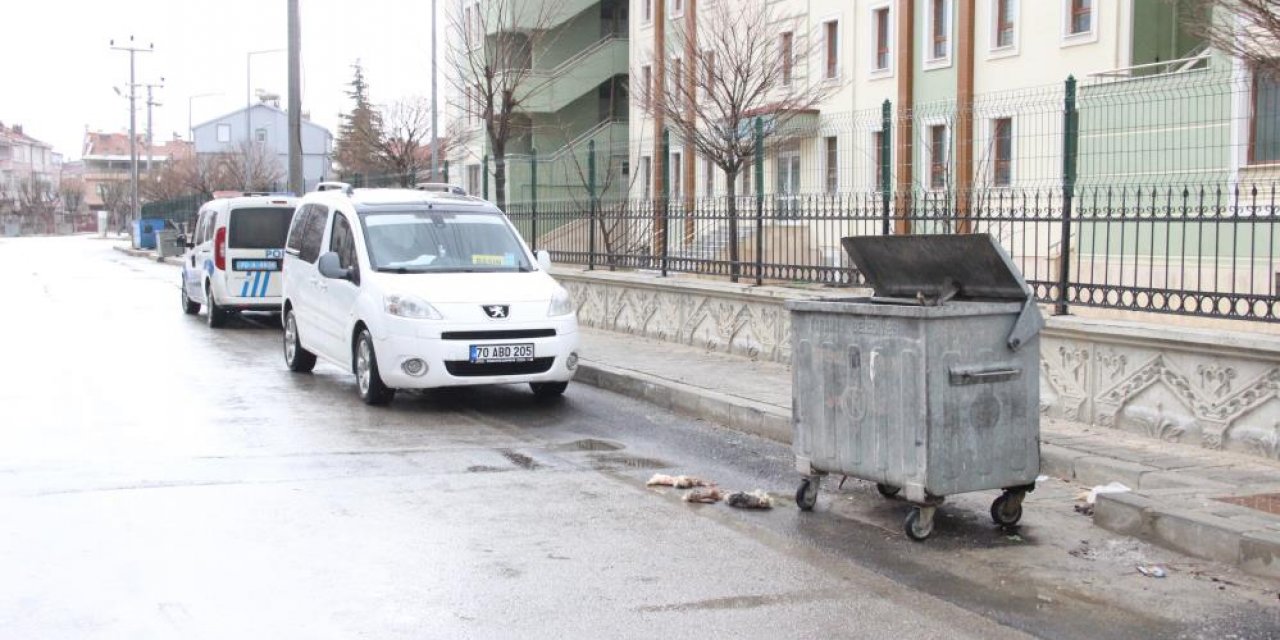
(497, 311)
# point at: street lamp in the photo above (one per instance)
(191, 133)
(248, 106)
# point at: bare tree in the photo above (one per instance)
(71, 193)
(1246, 29)
(747, 76)
(115, 198)
(398, 137)
(493, 74)
(254, 166)
(37, 202)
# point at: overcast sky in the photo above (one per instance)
(59, 69)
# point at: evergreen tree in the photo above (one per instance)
(360, 130)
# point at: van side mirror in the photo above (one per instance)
(330, 266)
(544, 259)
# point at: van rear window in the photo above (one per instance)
(260, 228)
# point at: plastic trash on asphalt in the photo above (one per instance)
(930, 387)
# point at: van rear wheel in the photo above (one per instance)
(216, 315)
(298, 359)
(368, 380)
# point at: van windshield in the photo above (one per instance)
(435, 242)
(259, 228)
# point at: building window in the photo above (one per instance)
(473, 180)
(877, 146)
(786, 55)
(938, 156)
(831, 149)
(466, 32)
(648, 11)
(677, 7)
(1002, 153)
(939, 34)
(831, 37)
(883, 41)
(260, 135)
(646, 95)
(224, 133)
(646, 177)
(1080, 17)
(677, 78)
(1004, 22)
(709, 68)
(676, 175)
(708, 178)
(1264, 147)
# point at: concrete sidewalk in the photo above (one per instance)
(1178, 491)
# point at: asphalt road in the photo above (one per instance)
(160, 479)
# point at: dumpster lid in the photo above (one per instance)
(938, 267)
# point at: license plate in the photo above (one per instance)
(255, 265)
(501, 353)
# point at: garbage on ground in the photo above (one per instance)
(704, 495)
(679, 482)
(1084, 509)
(754, 500)
(1152, 571)
(1013, 537)
(1091, 496)
(1041, 478)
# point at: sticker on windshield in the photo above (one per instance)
(496, 261)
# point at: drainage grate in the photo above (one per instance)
(1265, 502)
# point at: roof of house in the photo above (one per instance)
(258, 106)
(15, 134)
(98, 144)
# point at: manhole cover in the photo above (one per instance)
(1265, 502)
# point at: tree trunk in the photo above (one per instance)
(735, 267)
(500, 180)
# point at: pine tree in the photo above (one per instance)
(359, 131)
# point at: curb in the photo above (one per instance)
(146, 253)
(1255, 549)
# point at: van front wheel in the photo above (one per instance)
(369, 381)
(298, 359)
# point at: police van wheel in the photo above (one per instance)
(189, 306)
(368, 380)
(298, 359)
(216, 316)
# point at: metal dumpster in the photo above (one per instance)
(928, 388)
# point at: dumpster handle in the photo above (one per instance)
(983, 374)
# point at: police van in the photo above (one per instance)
(233, 260)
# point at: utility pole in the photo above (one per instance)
(435, 118)
(297, 182)
(151, 103)
(133, 121)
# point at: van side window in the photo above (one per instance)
(202, 228)
(342, 242)
(294, 243)
(313, 233)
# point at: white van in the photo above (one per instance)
(413, 289)
(233, 262)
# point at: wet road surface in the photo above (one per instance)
(161, 479)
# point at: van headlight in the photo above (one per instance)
(410, 307)
(561, 304)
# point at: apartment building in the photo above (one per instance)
(575, 65)
(105, 160)
(23, 159)
(1155, 104)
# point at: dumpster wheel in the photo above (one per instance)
(919, 523)
(807, 494)
(1006, 510)
(888, 490)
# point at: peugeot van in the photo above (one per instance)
(233, 262)
(414, 289)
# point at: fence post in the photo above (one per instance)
(882, 157)
(665, 205)
(533, 198)
(591, 194)
(484, 177)
(446, 170)
(759, 166)
(1070, 141)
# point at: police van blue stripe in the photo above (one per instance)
(244, 288)
(266, 280)
(257, 279)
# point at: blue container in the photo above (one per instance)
(144, 232)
